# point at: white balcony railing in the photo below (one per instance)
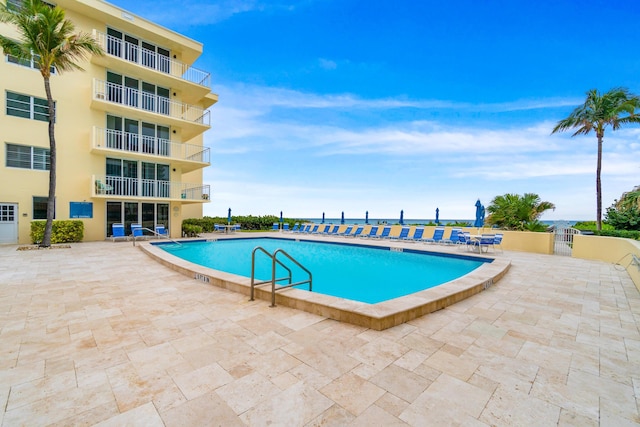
(150, 59)
(143, 144)
(149, 188)
(150, 102)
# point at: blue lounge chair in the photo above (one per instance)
(453, 238)
(372, 232)
(385, 232)
(331, 230)
(305, 229)
(136, 231)
(356, 233)
(285, 226)
(484, 243)
(417, 234)
(314, 230)
(437, 235)
(161, 231)
(497, 241)
(117, 232)
(404, 234)
(319, 229)
(347, 231)
(276, 226)
(235, 228)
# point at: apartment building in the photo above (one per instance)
(129, 130)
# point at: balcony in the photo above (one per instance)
(110, 187)
(188, 156)
(115, 98)
(167, 71)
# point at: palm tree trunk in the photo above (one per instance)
(46, 240)
(599, 184)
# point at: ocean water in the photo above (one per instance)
(411, 221)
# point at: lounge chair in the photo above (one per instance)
(372, 232)
(404, 234)
(235, 228)
(386, 230)
(161, 231)
(305, 228)
(356, 233)
(484, 243)
(117, 232)
(314, 230)
(320, 229)
(347, 231)
(285, 226)
(276, 226)
(497, 241)
(136, 231)
(453, 238)
(437, 235)
(331, 230)
(417, 234)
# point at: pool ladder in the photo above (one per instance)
(274, 263)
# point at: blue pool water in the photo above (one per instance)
(365, 274)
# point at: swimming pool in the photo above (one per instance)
(370, 274)
(377, 316)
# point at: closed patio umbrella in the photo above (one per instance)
(229, 217)
(401, 217)
(342, 218)
(479, 215)
(366, 217)
(437, 216)
(323, 217)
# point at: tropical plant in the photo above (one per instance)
(516, 212)
(624, 214)
(45, 34)
(614, 108)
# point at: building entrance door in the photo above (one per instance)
(8, 223)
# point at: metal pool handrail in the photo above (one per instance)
(273, 280)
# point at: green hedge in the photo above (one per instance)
(246, 222)
(627, 234)
(62, 231)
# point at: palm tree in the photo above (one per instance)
(48, 37)
(515, 212)
(614, 108)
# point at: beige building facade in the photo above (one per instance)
(129, 130)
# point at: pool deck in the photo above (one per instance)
(102, 334)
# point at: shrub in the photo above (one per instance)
(62, 231)
(626, 234)
(249, 222)
(191, 230)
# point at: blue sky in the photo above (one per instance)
(350, 105)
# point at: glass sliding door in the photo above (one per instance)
(131, 91)
(148, 138)
(162, 214)
(148, 215)
(162, 175)
(114, 132)
(130, 215)
(114, 215)
(148, 179)
(131, 129)
(114, 87)
(163, 101)
(163, 138)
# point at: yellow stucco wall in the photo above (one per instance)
(77, 115)
(609, 249)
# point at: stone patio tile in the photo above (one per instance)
(374, 415)
(379, 353)
(142, 415)
(203, 380)
(206, 410)
(335, 416)
(402, 383)
(452, 365)
(247, 392)
(295, 406)
(343, 391)
(507, 407)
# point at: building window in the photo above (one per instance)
(28, 107)
(27, 157)
(40, 208)
(33, 62)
